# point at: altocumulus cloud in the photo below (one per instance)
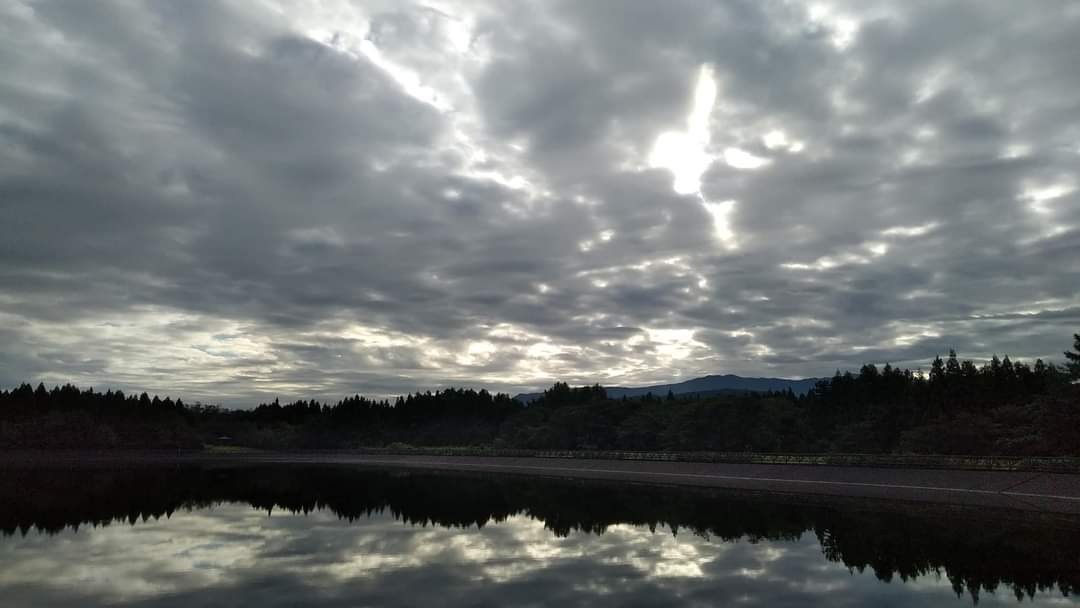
(231, 200)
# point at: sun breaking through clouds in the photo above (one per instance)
(233, 201)
(685, 152)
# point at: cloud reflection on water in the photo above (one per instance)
(232, 554)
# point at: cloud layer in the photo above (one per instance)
(233, 200)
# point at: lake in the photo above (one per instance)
(290, 535)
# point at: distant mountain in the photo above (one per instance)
(706, 385)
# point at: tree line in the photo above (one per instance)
(1002, 407)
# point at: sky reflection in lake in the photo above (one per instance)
(233, 552)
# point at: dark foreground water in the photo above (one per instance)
(303, 535)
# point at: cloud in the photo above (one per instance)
(359, 195)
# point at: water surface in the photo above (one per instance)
(296, 535)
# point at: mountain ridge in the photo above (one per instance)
(715, 383)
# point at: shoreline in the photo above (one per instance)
(1032, 464)
(1023, 490)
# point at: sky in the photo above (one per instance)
(232, 201)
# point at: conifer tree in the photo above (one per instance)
(1072, 359)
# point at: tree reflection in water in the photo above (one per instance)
(977, 551)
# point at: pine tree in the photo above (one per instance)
(952, 366)
(1072, 362)
(937, 371)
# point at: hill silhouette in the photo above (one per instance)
(704, 386)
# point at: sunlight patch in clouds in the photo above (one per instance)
(741, 159)
(842, 28)
(409, 81)
(1038, 196)
(910, 231)
(673, 344)
(684, 152)
(684, 156)
(778, 139)
(477, 353)
(721, 216)
(875, 249)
